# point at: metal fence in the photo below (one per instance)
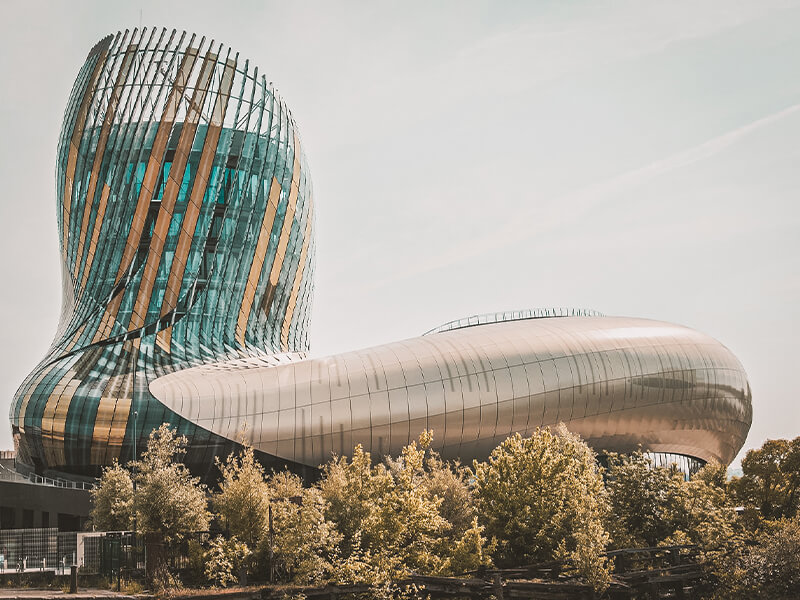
(96, 552)
(29, 550)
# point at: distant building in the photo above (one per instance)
(186, 223)
(32, 502)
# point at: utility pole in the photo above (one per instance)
(271, 547)
(135, 458)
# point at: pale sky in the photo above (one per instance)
(639, 158)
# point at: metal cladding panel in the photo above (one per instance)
(186, 223)
(612, 380)
(178, 164)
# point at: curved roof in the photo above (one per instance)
(514, 315)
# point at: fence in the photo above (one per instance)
(96, 552)
(28, 550)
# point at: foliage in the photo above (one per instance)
(352, 490)
(543, 498)
(168, 500)
(223, 559)
(710, 520)
(655, 506)
(393, 517)
(304, 541)
(450, 483)
(770, 481)
(647, 502)
(769, 568)
(243, 499)
(113, 500)
(164, 581)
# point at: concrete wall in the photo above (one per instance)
(26, 505)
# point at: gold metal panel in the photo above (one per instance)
(24, 406)
(164, 339)
(113, 409)
(152, 171)
(119, 422)
(258, 259)
(105, 131)
(286, 228)
(74, 146)
(60, 420)
(171, 192)
(54, 417)
(298, 277)
(101, 212)
(189, 223)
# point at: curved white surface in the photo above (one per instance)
(618, 382)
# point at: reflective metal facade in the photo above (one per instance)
(185, 217)
(187, 237)
(618, 382)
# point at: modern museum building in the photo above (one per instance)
(186, 225)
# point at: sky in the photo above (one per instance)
(639, 158)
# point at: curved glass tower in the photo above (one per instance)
(185, 217)
(186, 224)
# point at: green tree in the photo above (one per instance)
(305, 544)
(352, 489)
(647, 502)
(543, 498)
(770, 481)
(243, 497)
(405, 523)
(223, 559)
(393, 516)
(169, 502)
(710, 512)
(112, 500)
(450, 483)
(768, 567)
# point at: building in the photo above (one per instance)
(28, 501)
(186, 221)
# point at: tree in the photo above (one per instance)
(405, 524)
(770, 481)
(223, 559)
(647, 502)
(393, 517)
(169, 502)
(243, 498)
(450, 483)
(352, 489)
(767, 568)
(305, 543)
(113, 500)
(543, 498)
(710, 513)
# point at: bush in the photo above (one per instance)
(223, 560)
(769, 568)
(543, 498)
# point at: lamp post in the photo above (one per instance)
(135, 458)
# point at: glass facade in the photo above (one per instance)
(185, 216)
(186, 224)
(685, 464)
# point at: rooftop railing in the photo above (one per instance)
(515, 315)
(7, 474)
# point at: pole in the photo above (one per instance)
(271, 547)
(135, 458)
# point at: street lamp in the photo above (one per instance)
(135, 458)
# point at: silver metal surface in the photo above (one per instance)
(618, 382)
